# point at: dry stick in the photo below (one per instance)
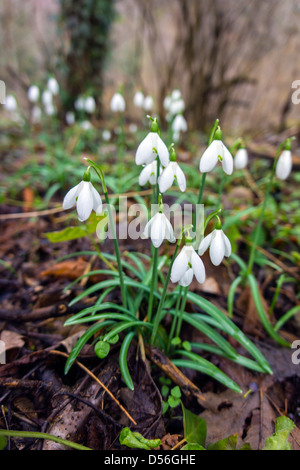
(167, 366)
(59, 353)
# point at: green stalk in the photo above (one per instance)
(183, 303)
(175, 318)
(41, 435)
(163, 296)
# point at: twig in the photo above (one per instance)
(59, 353)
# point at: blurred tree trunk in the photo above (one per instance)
(84, 26)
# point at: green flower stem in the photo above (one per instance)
(153, 283)
(183, 303)
(117, 250)
(174, 319)
(163, 296)
(41, 435)
(121, 139)
(221, 188)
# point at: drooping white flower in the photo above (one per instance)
(172, 172)
(187, 265)
(176, 107)
(158, 229)
(86, 125)
(53, 86)
(117, 103)
(149, 174)
(70, 118)
(219, 246)
(79, 104)
(50, 110)
(10, 104)
(284, 165)
(90, 105)
(86, 198)
(241, 159)
(179, 124)
(176, 94)
(33, 93)
(133, 128)
(216, 151)
(47, 98)
(36, 114)
(151, 147)
(106, 135)
(148, 103)
(138, 99)
(167, 102)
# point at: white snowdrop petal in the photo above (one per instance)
(227, 245)
(169, 233)
(70, 198)
(205, 244)
(217, 248)
(180, 176)
(144, 154)
(227, 162)
(97, 206)
(209, 158)
(166, 179)
(241, 159)
(284, 165)
(180, 266)
(145, 175)
(198, 267)
(85, 201)
(186, 278)
(158, 229)
(163, 152)
(147, 230)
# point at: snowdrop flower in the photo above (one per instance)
(148, 103)
(86, 125)
(172, 172)
(158, 229)
(86, 198)
(219, 245)
(50, 110)
(133, 128)
(138, 99)
(106, 135)
(117, 103)
(241, 159)
(176, 136)
(47, 98)
(151, 147)
(36, 114)
(11, 104)
(149, 174)
(79, 104)
(33, 93)
(216, 151)
(187, 265)
(70, 118)
(284, 165)
(176, 95)
(176, 107)
(179, 124)
(167, 102)
(90, 105)
(53, 86)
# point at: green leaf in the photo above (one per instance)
(229, 443)
(114, 339)
(102, 349)
(176, 341)
(194, 428)
(135, 440)
(69, 233)
(165, 407)
(193, 447)
(187, 345)
(279, 440)
(164, 390)
(175, 392)
(3, 442)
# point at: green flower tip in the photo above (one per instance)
(218, 134)
(218, 225)
(173, 155)
(86, 175)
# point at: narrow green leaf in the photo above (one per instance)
(123, 360)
